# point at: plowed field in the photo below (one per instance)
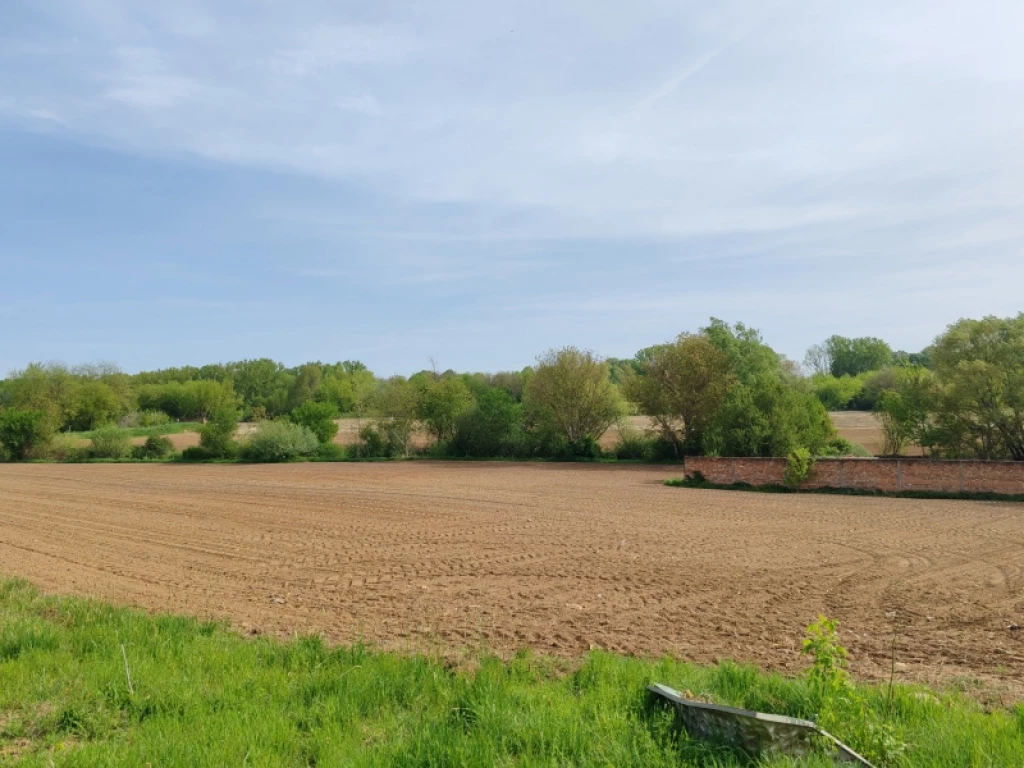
(562, 558)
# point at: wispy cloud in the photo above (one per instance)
(520, 154)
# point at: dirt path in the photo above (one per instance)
(559, 557)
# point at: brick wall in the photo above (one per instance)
(871, 474)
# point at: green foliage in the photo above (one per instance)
(396, 403)
(279, 440)
(192, 400)
(441, 401)
(836, 394)
(492, 427)
(157, 447)
(318, 418)
(23, 432)
(110, 443)
(839, 447)
(198, 453)
(94, 404)
(799, 464)
(217, 435)
(64, 447)
(204, 695)
(841, 706)
(571, 397)
(851, 357)
(681, 386)
(330, 452)
(978, 406)
(386, 439)
(146, 419)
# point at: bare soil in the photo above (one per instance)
(562, 558)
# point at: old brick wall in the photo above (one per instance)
(890, 475)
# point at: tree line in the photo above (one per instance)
(718, 391)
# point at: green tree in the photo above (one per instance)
(255, 382)
(491, 427)
(681, 386)
(218, 433)
(571, 396)
(836, 394)
(441, 400)
(766, 413)
(980, 367)
(304, 387)
(95, 404)
(318, 418)
(24, 432)
(396, 404)
(850, 357)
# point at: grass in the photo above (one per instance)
(202, 695)
(171, 428)
(685, 482)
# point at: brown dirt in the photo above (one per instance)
(422, 555)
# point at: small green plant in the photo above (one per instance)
(799, 464)
(828, 674)
(842, 708)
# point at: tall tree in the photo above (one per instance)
(850, 357)
(571, 395)
(681, 386)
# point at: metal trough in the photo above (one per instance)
(755, 732)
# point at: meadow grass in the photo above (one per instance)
(203, 695)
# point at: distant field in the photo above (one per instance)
(862, 427)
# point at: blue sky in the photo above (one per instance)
(193, 182)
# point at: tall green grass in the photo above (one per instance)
(202, 695)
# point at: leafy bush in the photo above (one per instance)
(157, 447)
(799, 464)
(318, 418)
(23, 431)
(197, 453)
(584, 448)
(110, 443)
(837, 394)
(280, 440)
(374, 443)
(385, 439)
(840, 447)
(492, 427)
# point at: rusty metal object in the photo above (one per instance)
(755, 732)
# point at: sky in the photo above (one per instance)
(473, 183)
